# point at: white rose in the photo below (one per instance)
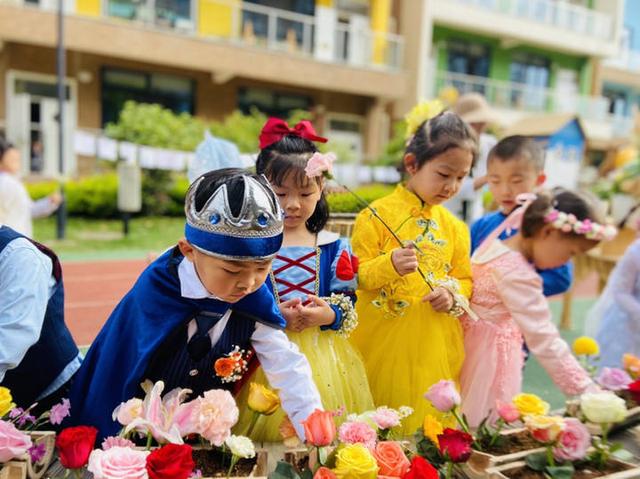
(603, 407)
(240, 446)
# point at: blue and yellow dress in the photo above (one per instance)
(337, 367)
(406, 345)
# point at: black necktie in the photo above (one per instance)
(200, 343)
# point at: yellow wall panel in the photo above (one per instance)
(324, 3)
(380, 13)
(219, 18)
(89, 7)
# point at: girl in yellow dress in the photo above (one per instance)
(312, 277)
(409, 335)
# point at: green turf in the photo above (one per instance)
(88, 239)
(536, 379)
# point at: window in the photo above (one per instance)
(118, 86)
(530, 73)
(169, 13)
(468, 59)
(270, 102)
(618, 101)
(284, 26)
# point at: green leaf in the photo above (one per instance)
(307, 474)
(623, 455)
(537, 462)
(284, 470)
(561, 472)
(322, 455)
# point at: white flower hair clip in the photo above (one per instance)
(568, 223)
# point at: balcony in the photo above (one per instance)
(548, 23)
(258, 26)
(628, 60)
(515, 100)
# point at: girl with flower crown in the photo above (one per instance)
(414, 271)
(508, 298)
(313, 277)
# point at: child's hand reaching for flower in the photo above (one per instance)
(441, 299)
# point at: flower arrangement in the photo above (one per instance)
(361, 448)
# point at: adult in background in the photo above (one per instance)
(16, 207)
(474, 109)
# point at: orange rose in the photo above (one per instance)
(391, 459)
(324, 473)
(320, 428)
(224, 367)
(631, 364)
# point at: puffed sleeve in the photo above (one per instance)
(376, 269)
(521, 293)
(461, 261)
(344, 269)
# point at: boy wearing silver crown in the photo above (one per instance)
(176, 323)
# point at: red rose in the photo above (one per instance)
(421, 469)
(634, 389)
(74, 446)
(456, 445)
(172, 461)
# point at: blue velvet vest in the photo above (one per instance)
(55, 349)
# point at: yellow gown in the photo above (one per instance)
(406, 345)
(337, 367)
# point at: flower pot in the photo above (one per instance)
(479, 462)
(626, 470)
(259, 470)
(13, 470)
(632, 418)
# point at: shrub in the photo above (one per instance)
(345, 202)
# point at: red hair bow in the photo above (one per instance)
(276, 129)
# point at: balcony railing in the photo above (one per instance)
(519, 96)
(626, 60)
(560, 14)
(265, 27)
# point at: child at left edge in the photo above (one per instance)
(177, 321)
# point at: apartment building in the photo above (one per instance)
(527, 57)
(340, 58)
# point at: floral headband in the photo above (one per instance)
(419, 114)
(568, 223)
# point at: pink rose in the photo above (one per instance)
(507, 412)
(614, 379)
(116, 441)
(320, 164)
(386, 418)
(355, 432)
(118, 463)
(216, 413)
(573, 442)
(443, 395)
(13, 443)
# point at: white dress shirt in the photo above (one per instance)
(285, 367)
(17, 208)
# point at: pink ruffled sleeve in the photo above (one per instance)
(521, 292)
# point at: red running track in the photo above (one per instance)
(93, 289)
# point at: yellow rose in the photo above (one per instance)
(6, 401)
(354, 461)
(586, 346)
(432, 428)
(530, 405)
(544, 429)
(262, 399)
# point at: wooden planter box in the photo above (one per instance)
(23, 468)
(480, 462)
(13, 470)
(633, 418)
(501, 472)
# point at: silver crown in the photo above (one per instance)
(259, 217)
